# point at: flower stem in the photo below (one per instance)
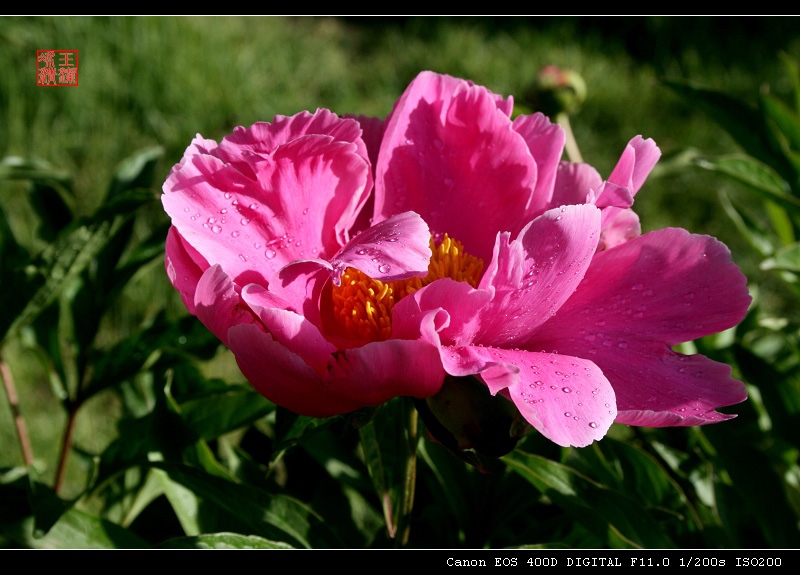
(410, 476)
(19, 421)
(66, 447)
(571, 146)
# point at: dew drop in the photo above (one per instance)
(566, 390)
(593, 425)
(216, 229)
(270, 254)
(567, 414)
(235, 233)
(244, 221)
(243, 257)
(384, 268)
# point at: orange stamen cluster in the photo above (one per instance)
(363, 306)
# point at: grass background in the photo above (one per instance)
(146, 81)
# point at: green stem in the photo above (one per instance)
(571, 146)
(66, 447)
(19, 421)
(410, 477)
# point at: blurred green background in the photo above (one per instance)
(158, 81)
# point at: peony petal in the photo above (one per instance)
(667, 286)
(305, 196)
(354, 378)
(263, 138)
(378, 371)
(396, 248)
(642, 297)
(282, 376)
(618, 227)
(546, 144)
(672, 390)
(298, 287)
(573, 183)
(635, 164)
(444, 311)
(218, 305)
(290, 329)
(532, 276)
(184, 267)
(449, 153)
(567, 399)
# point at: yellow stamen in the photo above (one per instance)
(363, 306)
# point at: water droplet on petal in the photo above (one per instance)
(216, 229)
(593, 425)
(384, 268)
(270, 254)
(235, 233)
(566, 390)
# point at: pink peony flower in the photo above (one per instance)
(262, 226)
(539, 283)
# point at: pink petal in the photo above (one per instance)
(619, 226)
(297, 288)
(450, 154)
(396, 248)
(567, 399)
(282, 376)
(444, 311)
(573, 183)
(379, 371)
(639, 299)
(306, 196)
(672, 390)
(635, 164)
(263, 138)
(546, 144)
(353, 378)
(290, 329)
(532, 276)
(218, 305)
(184, 267)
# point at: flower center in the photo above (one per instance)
(363, 306)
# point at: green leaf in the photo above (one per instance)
(389, 442)
(793, 72)
(40, 172)
(615, 518)
(252, 510)
(135, 171)
(786, 258)
(213, 414)
(753, 173)
(223, 541)
(744, 123)
(784, 118)
(758, 486)
(80, 530)
(748, 227)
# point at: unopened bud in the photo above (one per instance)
(556, 90)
